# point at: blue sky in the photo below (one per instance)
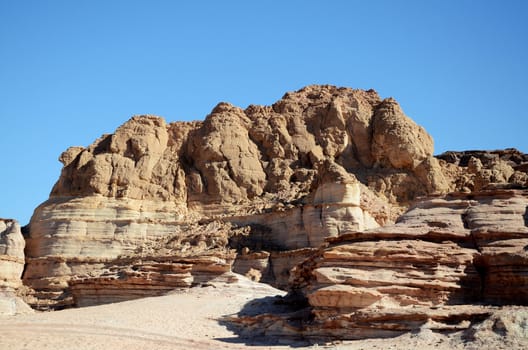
(73, 70)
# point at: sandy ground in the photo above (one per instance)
(182, 320)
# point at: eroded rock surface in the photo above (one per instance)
(157, 206)
(11, 254)
(132, 278)
(477, 170)
(447, 263)
(11, 268)
(319, 162)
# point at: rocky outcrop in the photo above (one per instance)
(443, 261)
(272, 183)
(11, 268)
(477, 170)
(101, 255)
(237, 155)
(319, 162)
(11, 254)
(452, 264)
(72, 236)
(139, 277)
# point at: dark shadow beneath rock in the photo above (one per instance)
(269, 321)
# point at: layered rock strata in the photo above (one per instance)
(319, 162)
(11, 254)
(132, 278)
(273, 182)
(444, 258)
(103, 257)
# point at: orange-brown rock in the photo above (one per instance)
(273, 182)
(319, 162)
(88, 258)
(477, 170)
(443, 258)
(236, 154)
(139, 277)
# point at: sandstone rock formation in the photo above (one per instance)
(158, 206)
(236, 155)
(132, 278)
(11, 267)
(477, 170)
(11, 254)
(446, 265)
(321, 161)
(101, 260)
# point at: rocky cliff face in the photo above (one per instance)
(270, 152)
(446, 265)
(320, 178)
(319, 162)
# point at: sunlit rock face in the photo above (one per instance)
(11, 254)
(444, 261)
(11, 268)
(276, 180)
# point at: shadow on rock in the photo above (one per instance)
(269, 321)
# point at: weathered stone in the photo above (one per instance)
(323, 165)
(11, 268)
(132, 278)
(11, 254)
(443, 254)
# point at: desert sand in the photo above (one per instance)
(184, 319)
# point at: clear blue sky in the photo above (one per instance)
(73, 70)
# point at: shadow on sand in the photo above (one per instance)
(251, 324)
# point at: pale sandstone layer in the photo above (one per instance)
(11, 254)
(11, 268)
